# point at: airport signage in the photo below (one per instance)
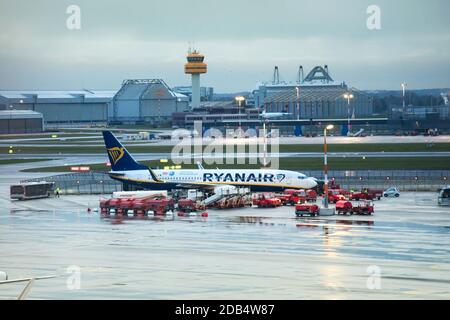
(78, 169)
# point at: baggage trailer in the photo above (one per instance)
(189, 205)
(156, 204)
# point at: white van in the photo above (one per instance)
(444, 196)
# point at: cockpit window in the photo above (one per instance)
(302, 177)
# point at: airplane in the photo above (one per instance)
(30, 282)
(126, 169)
(274, 115)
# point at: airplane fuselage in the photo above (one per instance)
(255, 180)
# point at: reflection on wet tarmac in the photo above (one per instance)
(245, 254)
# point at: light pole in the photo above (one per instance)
(325, 164)
(348, 96)
(264, 144)
(404, 96)
(239, 100)
(10, 117)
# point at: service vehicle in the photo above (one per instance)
(334, 195)
(444, 196)
(311, 195)
(190, 205)
(31, 190)
(348, 208)
(366, 194)
(292, 196)
(158, 205)
(302, 209)
(391, 192)
(266, 201)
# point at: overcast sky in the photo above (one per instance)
(242, 41)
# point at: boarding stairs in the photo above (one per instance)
(226, 196)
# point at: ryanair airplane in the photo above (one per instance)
(127, 170)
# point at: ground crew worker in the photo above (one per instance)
(57, 191)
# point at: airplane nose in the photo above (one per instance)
(312, 183)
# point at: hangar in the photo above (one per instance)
(61, 107)
(20, 121)
(149, 101)
(317, 95)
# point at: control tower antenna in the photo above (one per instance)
(276, 76)
(326, 70)
(300, 75)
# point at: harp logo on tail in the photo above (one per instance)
(116, 154)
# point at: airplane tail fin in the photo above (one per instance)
(120, 158)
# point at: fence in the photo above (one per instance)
(83, 183)
(405, 180)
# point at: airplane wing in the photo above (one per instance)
(209, 187)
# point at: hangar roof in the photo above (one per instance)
(72, 96)
(20, 114)
(26, 96)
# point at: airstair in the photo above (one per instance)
(227, 197)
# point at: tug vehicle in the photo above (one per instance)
(334, 195)
(266, 201)
(366, 194)
(311, 195)
(309, 209)
(362, 208)
(292, 197)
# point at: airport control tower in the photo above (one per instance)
(195, 66)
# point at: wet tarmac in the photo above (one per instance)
(402, 252)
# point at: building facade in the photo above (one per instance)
(20, 121)
(315, 96)
(149, 101)
(61, 107)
